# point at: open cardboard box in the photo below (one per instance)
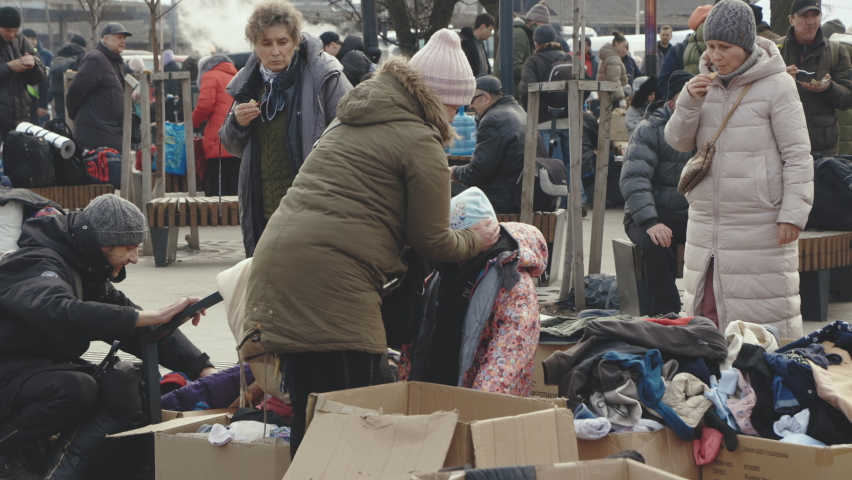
(539, 389)
(181, 458)
(485, 430)
(171, 414)
(612, 469)
(663, 450)
(766, 459)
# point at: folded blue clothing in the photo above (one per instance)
(783, 398)
(651, 387)
(797, 375)
(839, 333)
(583, 413)
(816, 353)
(719, 393)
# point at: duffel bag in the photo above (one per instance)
(28, 161)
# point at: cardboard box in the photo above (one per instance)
(171, 414)
(539, 389)
(765, 459)
(663, 450)
(181, 458)
(613, 469)
(487, 427)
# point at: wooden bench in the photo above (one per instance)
(633, 293)
(75, 197)
(825, 272)
(552, 226)
(167, 215)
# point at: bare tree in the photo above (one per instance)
(347, 8)
(95, 10)
(780, 11)
(413, 20)
(49, 26)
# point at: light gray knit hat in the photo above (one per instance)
(731, 21)
(539, 12)
(116, 221)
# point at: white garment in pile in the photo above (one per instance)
(739, 332)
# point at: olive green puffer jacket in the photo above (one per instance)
(694, 49)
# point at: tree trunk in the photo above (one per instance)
(780, 12)
(398, 13)
(441, 16)
(94, 24)
(50, 44)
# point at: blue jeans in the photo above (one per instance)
(563, 152)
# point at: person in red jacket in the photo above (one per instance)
(214, 74)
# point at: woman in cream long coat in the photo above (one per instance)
(746, 214)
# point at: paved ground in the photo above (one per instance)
(221, 248)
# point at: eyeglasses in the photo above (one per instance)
(477, 96)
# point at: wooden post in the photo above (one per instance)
(186, 93)
(144, 94)
(529, 157)
(601, 172)
(67, 81)
(127, 131)
(575, 201)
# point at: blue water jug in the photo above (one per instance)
(465, 127)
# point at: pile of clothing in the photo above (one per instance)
(629, 374)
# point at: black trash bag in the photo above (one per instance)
(601, 293)
(832, 194)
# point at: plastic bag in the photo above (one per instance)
(175, 140)
(601, 293)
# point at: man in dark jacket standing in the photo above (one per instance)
(20, 66)
(472, 43)
(498, 160)
(67, 58)
(95, 97)
(654, 212)
(806, 49)
(57, 295)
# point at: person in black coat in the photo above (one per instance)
(69, 57)
(498, 160)
(655, 214)
(56, 296)
(95, 97)
(472, 44)
(20, 66)
(356, 66)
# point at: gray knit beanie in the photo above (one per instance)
(116, 221)
(544, 34)
(539, 12)
(731, 21)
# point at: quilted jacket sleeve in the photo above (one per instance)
(682, 129)
(640, 163)
(791, 135)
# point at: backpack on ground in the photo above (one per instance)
(69, 171)
(28, 161)
(97, 163)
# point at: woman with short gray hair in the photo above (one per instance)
(284, 98)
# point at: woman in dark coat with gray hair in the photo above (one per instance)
(284, 98)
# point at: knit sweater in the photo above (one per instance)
(275, 175)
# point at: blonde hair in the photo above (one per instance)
(272, 14)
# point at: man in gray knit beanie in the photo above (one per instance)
(731, 21)
(116, 222)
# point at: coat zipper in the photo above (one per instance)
(713, 252)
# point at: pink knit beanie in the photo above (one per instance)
(445, 68)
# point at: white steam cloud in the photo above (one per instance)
(219, 25)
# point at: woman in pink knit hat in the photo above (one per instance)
(374, 186)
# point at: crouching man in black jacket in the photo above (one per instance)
(57, 295)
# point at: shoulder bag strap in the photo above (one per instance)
(733, 109)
